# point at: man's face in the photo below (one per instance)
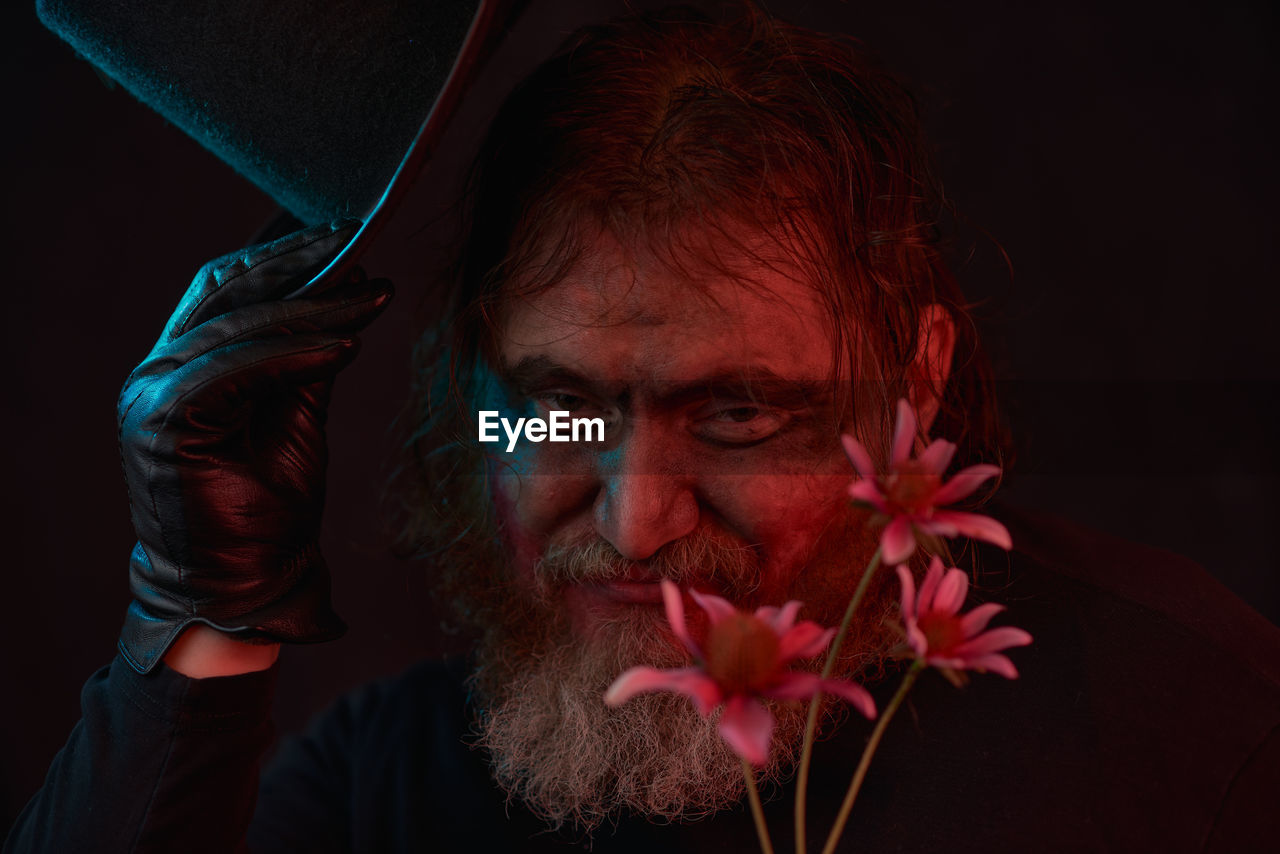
(721, 469)
(716, 387)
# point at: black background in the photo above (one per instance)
(1121, 154)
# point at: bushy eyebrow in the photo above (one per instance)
(533, 373)
(753, 382)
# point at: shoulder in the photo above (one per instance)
(1165, 678)
(1147, 593)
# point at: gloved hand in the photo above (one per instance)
(222, 441)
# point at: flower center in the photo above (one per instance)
(742, 654)
(942, 633)
(910, 489)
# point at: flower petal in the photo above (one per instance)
(747, 726)
(674, 605)
(977, 619)
(976, 526)
(853, 694)
(867, 492)
(689, 681)
(932, 579)
(992, 641)
(994, 663)
(916, 640)
(950, 595)
(948, 662)
(859, 457)
(802, 686)
(904, 434)
(781, 619)
(717, 608)
(965, 482)
(796, 685)
(804, 641)
(908, 592)
(939, 527)
(897, 542)
(937, 457)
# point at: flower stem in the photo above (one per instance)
(806, 754)
(869, 751)
(757, 811)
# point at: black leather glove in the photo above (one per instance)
(223, 445)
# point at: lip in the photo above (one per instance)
(630, 592)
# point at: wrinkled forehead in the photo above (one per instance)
(628, 311)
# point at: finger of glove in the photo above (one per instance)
(259, 273)
(212, 389)
(346, 309)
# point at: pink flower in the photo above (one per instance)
(746, 659)
(910, 494)
(942, 637)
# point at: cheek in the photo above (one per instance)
(534, 509)
(787, 516)
(522, 543)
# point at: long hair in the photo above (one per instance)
(662, 127)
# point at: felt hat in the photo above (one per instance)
(317, 102)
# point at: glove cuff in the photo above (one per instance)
(303, 614)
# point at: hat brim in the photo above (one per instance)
(315, 104)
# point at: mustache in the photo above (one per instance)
(703, 560)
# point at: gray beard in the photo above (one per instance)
(571, 760)
(557, 748)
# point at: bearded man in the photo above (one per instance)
(630, 260)
(721, 240)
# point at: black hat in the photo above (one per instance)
(315, 101)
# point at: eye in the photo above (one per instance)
(562, 402)
(575, 404)
(742, 424)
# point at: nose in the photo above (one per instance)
(643, 503)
